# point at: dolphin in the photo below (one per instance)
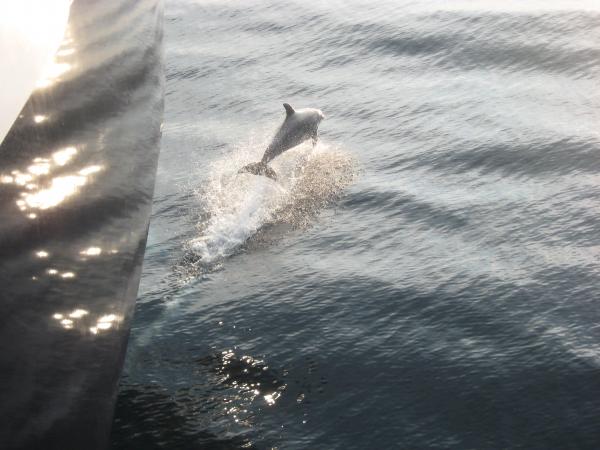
(298, 126)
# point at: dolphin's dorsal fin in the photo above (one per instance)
(288, 109)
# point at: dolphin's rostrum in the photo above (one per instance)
(298, 126)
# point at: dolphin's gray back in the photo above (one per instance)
(289, 135)
(296, 128)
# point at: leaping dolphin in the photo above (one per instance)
(298, 126)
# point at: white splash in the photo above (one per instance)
(237, 206)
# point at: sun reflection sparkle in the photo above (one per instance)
(80, 319)
(91, 251)
(21, 178)
(251, 380)
(90, 170)
(63, 156)
(271, 398)
(54, 191)
(52, 73)
(107, 318)
(59, 190)
(41, 168)
(78, 313)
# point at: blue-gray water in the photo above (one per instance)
(426, 277)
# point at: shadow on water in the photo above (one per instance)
(220, 396)
(148, 417)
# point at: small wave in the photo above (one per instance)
(236, 207)
(549, 157)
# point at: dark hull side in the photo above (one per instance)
(77, 176)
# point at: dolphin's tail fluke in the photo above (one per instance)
(259, 168)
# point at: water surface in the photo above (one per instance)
(426, 277)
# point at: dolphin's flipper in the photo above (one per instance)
(259, 168)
